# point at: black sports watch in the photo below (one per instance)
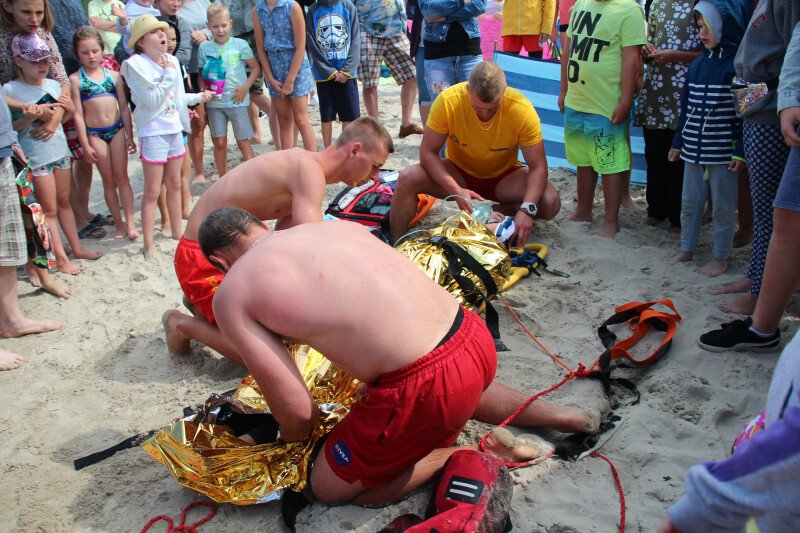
(529, 208)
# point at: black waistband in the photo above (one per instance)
(456, 324)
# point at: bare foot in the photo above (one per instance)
(132, 233)
(199, 178)
(185, 215)
(50, 285)
(684, 257)
(10, 361)
(150, 254)
(737, 287)
(674, 234)
(713, 268)
(165, 228)
(628, 202)
(580, 217)
(743, 305)
(67, 267)
(33, 276)
(650, 221)
(177, 343)
(502, 444)
(255, 139)
(609, 231)
(742, 238)
(84, 253)
(119, 233)
(26, 326)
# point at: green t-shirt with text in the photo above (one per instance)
(598, 31)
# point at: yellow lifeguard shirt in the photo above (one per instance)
(484, 150)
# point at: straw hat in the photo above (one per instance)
(143, 25)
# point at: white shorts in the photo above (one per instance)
(159, 149)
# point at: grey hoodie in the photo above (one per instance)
(761, 53)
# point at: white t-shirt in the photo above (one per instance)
(169, 121)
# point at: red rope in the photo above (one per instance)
(619, 489)
(190, 528)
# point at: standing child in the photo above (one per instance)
(334, 57)
(281, 41)
(599, 68)
(48, 157)
(103, 121)
(161, 117)
(224, 58)
(127, 15)
(708, 137)
(102, 17)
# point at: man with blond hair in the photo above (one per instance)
(485, 123)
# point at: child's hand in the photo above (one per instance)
(198, 36)
(193, 114)
(118, 10)
(205, 96)
(67, 103)
(31, 111)
(239, 95)
(340, 77)
(621, 113)
(17, 149)
(165, 61)
(561, 98)
(90, 154)
(288, 87)
(131, 146)
(790, 118)
(674, 154)
(276, 85)
(736, 165)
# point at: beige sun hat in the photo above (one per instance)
(143, 25)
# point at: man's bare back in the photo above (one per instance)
(356, 304)
(265, 186)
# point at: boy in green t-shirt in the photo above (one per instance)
(599, 68)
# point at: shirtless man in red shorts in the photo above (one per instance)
(429, 365)
(287, 186)
(485, 123)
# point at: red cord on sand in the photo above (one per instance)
(191, 528)
(619, 489)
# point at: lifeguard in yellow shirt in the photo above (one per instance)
(485, 123)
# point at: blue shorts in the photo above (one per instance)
(591, 140)
(788, 196)
(338, 99)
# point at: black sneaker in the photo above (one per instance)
(737, 336)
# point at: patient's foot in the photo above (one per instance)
(502, 444)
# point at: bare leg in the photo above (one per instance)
(105, 167)
(252, 112)
(283, 109)
(781, 271)
(370, 95)
(327, 133)
(10, 361)
(408, 95)
(221, 154)
(163, 210)
(743, 305)
(12, 322)
(179, 329)
(738, 286)
(196, 139)
(172, 181)
(66, 219)
(119, 162)
(46, 193)
(153, 175)
(300, 117)
(79, 192)
(247, 150)
(612, 192)
(413, 180)
(423, 113)
(48, 284)
(587, 182)
(186, 194)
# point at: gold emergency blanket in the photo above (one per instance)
(206, 458)
(473, 236)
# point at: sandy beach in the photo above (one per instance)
(107, 376)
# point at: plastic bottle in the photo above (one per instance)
(482, 213)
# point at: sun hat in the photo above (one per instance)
(143, 25)
(31, 47)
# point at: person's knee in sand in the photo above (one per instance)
(484, 123)
(286, 186)
(395, 439)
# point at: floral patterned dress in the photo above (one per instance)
(671, 27)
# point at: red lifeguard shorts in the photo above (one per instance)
(483, 186)
(197, 277)
(413, 410)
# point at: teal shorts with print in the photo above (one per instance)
(591, 140)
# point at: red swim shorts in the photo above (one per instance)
(483, 186)
(197, 277)
(412, 411)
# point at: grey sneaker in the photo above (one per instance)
(736, 336)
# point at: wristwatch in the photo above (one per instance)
(529, 208)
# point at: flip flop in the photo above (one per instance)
(92, 232)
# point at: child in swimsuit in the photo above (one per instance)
(48, 158)
(104, 127)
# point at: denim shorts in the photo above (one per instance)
(158, 149)
(591, 140)
(788, 196)
(422, 81)
(218, 118)
(446, 71)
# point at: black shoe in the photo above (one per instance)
(737, 336)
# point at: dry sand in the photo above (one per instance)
(107, 376)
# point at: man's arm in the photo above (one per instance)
(432, 143)
(308, 192)
(536, 160)
(268, 361)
